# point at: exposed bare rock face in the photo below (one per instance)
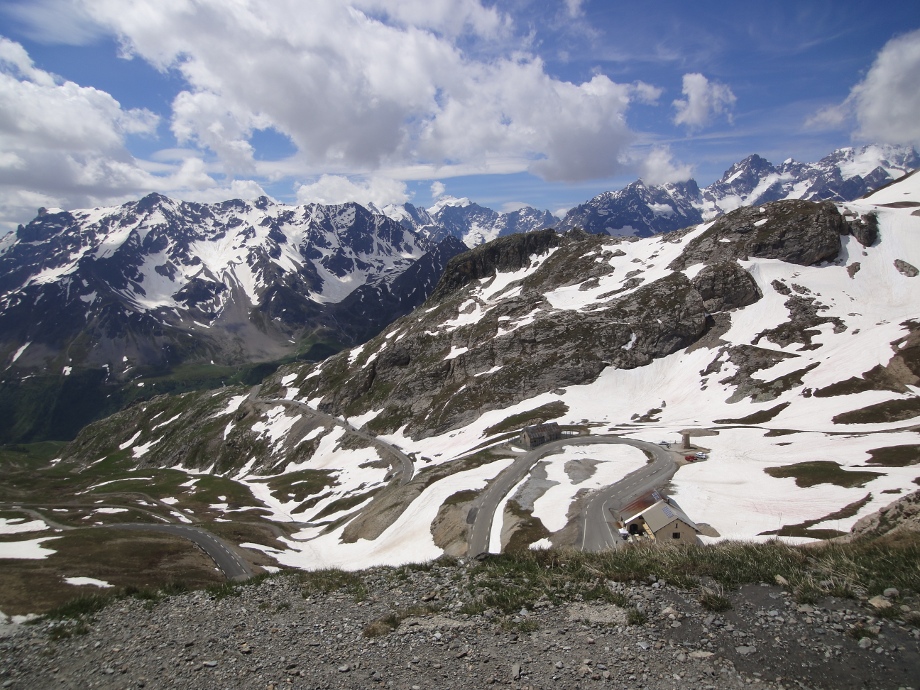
(799, 232)
(726, 285)
(899, 517)
(433, 375)
(865, 229)
(504, 254)
(906, 269)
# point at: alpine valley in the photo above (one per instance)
(781, 337)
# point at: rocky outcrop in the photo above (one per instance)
(726, 285)
(504, 254)
(417, 378)
(899, 517)
(798, 232)
(865, 229)
(905, 269)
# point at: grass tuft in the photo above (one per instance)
(331, 580)
(714, 599)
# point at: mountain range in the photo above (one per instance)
(782, 339)
(643, 210)
(158, 282)
(139, 289)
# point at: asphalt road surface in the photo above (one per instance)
(233, 567)
(406, 468)
(597, 534)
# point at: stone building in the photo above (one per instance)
(537, 435)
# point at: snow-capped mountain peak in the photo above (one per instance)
(844, 175)
(242, 280)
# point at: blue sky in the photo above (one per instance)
(508, 103)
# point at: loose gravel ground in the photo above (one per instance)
(279, 634)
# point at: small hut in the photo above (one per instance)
(538, 434)
(663, 521)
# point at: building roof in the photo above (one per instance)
(542, 429)
(662, 513)
(646, 500)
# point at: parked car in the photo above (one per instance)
(664, 443)
(690, 458)
(701, 456)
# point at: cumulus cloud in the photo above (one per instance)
(371, 85)
(703, 101)
(61, 141)
(339, 189)
(646, 93)
(658, 167)
(437, 189)
(53, 21)
(886, 103)
(451, 17)
(65, 145)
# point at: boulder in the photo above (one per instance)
(726, 285)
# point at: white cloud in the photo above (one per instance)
(54, 21)
(451, 17)
(574, 7)
(437, 189)
(646, 93)
(887, 101)
(658, 167)
(61, 142)
(338, 189)
(64, 145)
(373, 86)
(704, 100)
(883, 107)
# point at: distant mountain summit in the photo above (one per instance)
(644, 210)
(469, 222)
(158, 282)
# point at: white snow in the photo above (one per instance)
(19, 525)
(289, 379)
(110, 511)
(167, 422)
(84, 581)
(456, 352)
(130, 442)
(360, 420)
(277, 425)
(18, 353)
(613, 463)
(26, 550)
(113, 481)
(142, 449)
(232, 405)
(407, 540)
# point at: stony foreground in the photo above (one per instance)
(286, 632)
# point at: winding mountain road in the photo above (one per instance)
(233, 567)
(223, 555)
(596, 532)
(403, 462)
